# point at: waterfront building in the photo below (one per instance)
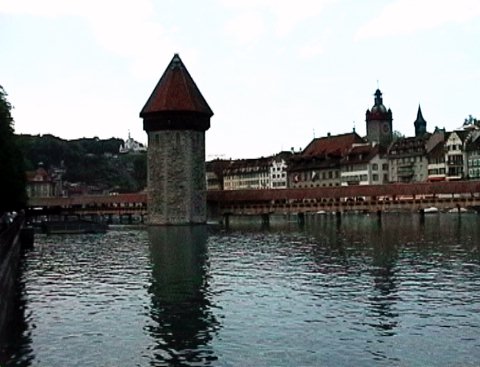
(215, 173)
(246, 174)
(435, 149)
(319, 164)
(257, 173)
(379, 122)
(364, 164)
(175, 118)
(40, 184)
(278, 170)
(472, 152)
(407, 160)
(455, 155)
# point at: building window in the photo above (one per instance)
(375, 166)
(375, 177)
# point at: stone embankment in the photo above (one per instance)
(11, 240)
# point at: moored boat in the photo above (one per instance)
(73, 227)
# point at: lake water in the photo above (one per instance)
(362, 291)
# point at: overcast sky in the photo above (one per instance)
(276, 73)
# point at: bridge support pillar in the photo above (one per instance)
(226, 220)
(301, 219)
(265, 220)
(338, 217)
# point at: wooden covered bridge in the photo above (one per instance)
(368, 198)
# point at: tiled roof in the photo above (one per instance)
(176, 92)
(39, 175)
(309, 163)
(409, 146)
(462, 134)
(473, 143)
(437, 151)
(362, 154)
(332, 145)
(248, 165)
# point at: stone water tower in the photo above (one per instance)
(175, 118)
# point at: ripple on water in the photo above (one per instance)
(354, 293)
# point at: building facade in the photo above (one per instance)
(364, 164)
(435, 149)
(40, 184)
(258, 173)
(407, 160)
(455, 155)
(472, 153)
(319, 164)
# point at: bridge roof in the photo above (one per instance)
(176, 92)
(423, 188)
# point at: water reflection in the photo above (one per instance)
(384, 297)
(181, 311)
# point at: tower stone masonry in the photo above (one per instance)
(175, 118)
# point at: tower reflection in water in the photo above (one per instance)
(183, 323)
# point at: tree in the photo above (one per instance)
(397, 135)
(471, 121)
(12, 173)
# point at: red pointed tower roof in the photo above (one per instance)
(176, 92)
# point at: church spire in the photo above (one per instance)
(378, 98)
(420, 123)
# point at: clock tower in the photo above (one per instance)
(379, 122)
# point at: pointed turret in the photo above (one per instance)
(420, 124)
(176, 103)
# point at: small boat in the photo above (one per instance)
(73, 227)
(458, 210)
(430, 210)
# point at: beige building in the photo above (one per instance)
(407, 160)
(258, 173)
(319, 164)
(364, 164)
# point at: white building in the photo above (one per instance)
(258, 173)
(455, 157)
(364, 164)
(132, 146)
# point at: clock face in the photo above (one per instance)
(385, 128)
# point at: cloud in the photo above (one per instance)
(279, 16)
(246, 28)
(125, 28)
(311, 50)
(403, 17)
